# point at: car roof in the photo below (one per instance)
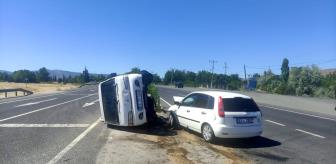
(222, 94)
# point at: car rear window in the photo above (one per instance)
(239, 104)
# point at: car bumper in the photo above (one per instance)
(222, 131)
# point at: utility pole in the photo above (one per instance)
(212, 62)
(245, 82)
(171, 77)
(245, 72)
(225, 68)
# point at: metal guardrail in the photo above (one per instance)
(16, 90)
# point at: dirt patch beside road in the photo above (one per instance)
(35, 87)
(146, 146)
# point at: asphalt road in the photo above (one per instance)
(288, 137)
(65, 128)
(34, 129)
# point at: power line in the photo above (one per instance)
(225, 68)
(292, 65)
(245, 72)
(212, 62)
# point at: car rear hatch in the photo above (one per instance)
(240, 111)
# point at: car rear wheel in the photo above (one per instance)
(207, 133)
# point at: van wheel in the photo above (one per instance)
(207, 133)
(172, 121)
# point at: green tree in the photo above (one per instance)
(168, 77)
(42, 75)
(270, 82)
(156, 79)
(135, 70)
(329, 85)
(4, 76)
(179, 76)
(285, 70)
(190, 79)
(234, 82)
(85, 76)
(24, 76)
(203, 78)
(304, 80)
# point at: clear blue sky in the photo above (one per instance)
(113, 36)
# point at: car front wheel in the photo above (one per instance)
(207, 133)
(173, 122)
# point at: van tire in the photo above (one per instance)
(207, 133)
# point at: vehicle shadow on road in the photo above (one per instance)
(247, 143)
(158, 128)
(256, 142)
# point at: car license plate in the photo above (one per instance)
(245, 120)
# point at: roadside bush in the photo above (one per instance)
(280, 89)
(153, 91)
(321, 92)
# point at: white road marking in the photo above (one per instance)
(165, 101)
(36, 97)
(313, 134)
(91, 103)
(44, 125)
(74, 94)
(44, 108)
(33, 103)
(6, 102)
(275, 122)
(73, 143)
(326, 118)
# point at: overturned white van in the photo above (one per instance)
(121, 100)
(124, 100)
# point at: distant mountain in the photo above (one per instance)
(327, 71)
(3, 71)
(60, 73)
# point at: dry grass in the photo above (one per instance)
(35, 87)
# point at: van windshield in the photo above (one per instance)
(239, 104)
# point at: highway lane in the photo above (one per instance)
(16, 108)
(63, 132)
(288, 137)
(39, 136)
(71, 133)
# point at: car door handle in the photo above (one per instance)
(203, 113)
(188, 110)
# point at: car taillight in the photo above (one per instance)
(220, 107)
